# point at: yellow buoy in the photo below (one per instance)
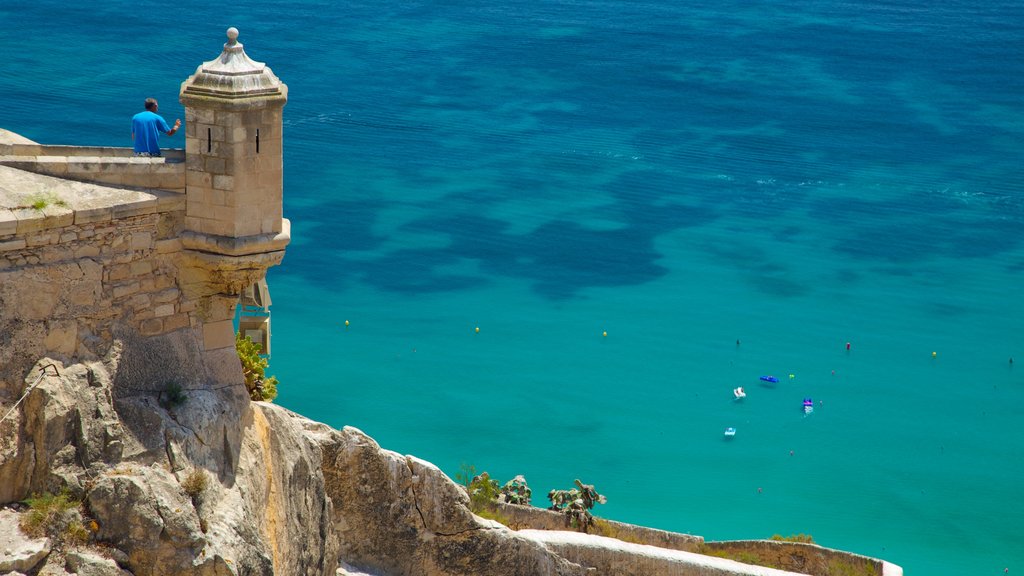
(934, 354)
(477, 329)
(346, 322)
(605, 334)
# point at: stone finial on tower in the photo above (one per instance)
(233, 75)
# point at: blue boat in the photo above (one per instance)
(769, 378)
(808, 405)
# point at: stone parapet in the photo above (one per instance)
(530, 517)
(112, 166)
(34, 149)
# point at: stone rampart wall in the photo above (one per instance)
(67, 277)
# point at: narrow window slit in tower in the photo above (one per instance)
(209, 139)
(257, 140)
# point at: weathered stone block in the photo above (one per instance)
(168, 246)
(176, 322)
(83, 295)
(223, 182)
(163, 310)
(29, 220)
(141, 268)
(88, 564)
(142, 241)
(125, 290)
(87, 251)
(214, 165)
(138, 208)
(98, 214)
(118, 272)
(122, 258)
(165, 296)
(151, 327)
(44, 239)
(8, 222)
(62, 337)
(218, 335)
(203, 115)
(141, 302)
(16, 244)
(162, 281)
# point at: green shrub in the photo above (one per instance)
(172, 396)
(41, 201)
(56, 516)
(254, 367)
(805, 538)
(576, 504)
(516, 491)
(483, 492)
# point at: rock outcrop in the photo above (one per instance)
(18, 552)
(129, 434)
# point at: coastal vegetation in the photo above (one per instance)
(55, 516)
(483, 490)
(576, 504)
(804, 538)
(254, 367)
(516, 491)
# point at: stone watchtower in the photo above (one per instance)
(234, 229)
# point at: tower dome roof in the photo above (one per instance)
(232, 75)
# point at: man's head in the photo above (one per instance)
(151, 104)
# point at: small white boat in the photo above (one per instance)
(739, 393)
(730, 432)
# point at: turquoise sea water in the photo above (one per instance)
(725, 189)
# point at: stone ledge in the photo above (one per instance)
(257, 244)
(611, 556)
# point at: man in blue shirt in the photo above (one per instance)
(146, 128)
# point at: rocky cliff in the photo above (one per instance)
(283, 494)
